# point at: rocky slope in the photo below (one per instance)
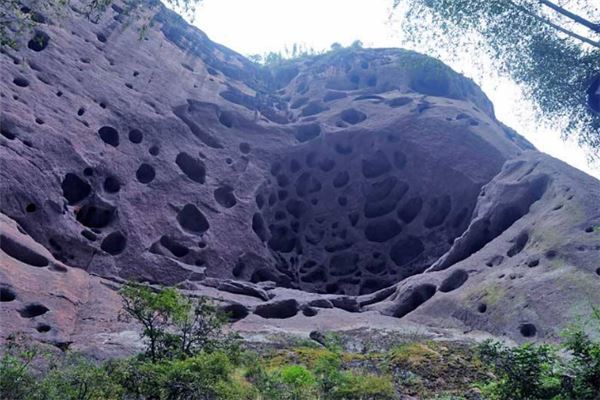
(361, 188)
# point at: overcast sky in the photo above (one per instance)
(260, 26)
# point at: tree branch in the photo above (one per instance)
(555, 26)
(573, 16)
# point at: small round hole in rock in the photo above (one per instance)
(33, 310)
(109, 135)
(192, 167)
(225, 197)
(145, 173)
(89, 235)
(112, 184)
(31, 207)
(226, 118)
(101, 38)
(244, 148)
(58, 268)
(154, 150)
(43, 328)
(95, 215)
(136, 136)
(21, 252)
(39, 41)
(81, 111)
(309, 312)
(533, 263)
(353, 116)
(7, 294)
(7, 134)
(21, 82)
(482, 307)
(235, 311)
(455, 280)
(550, 254)
(114, 243)
(88, 171)
(528, 330)
(589, 229)
(74, 188)
(192, 219)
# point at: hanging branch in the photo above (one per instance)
(573, 16)
(555, 26)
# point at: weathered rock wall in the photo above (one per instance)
(174, 160)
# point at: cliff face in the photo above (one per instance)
(374, 182)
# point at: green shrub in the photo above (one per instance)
(336, 383)
(582, 379)
(300, 382)
(76, 378)
(358, 386)
(16, 379)
(525, 372)
(175, 326)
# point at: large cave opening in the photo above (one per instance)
(356, 212)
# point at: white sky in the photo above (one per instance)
(260, 26)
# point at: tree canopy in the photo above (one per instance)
(551, 52)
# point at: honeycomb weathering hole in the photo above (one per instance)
(109, 135)
(528, 330)
(96, 215)
(192, 167)
(33, 310)
(39, 41)
(192, 219)
(412, 299)
(225, 197)
(114, 243)
(145, 173)
(43, 328)
(136, 136)
(353, 116)
(111, 184)
(7, 294)
(22, 253)
(356, 213)
(74, 188)
(454, 281)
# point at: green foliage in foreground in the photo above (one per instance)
(188, 356)
(537, 372)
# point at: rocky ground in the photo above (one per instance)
(361, 189)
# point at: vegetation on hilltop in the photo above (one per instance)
(550, 49)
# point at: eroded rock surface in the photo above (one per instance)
(359, 187)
